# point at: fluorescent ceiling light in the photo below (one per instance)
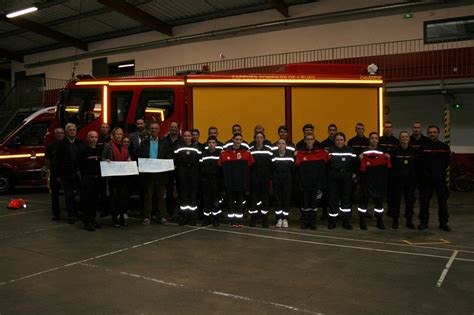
(126, 65)
(21, 12)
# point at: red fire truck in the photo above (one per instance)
(302, 93)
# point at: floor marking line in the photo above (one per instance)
(95, 257)
(446, 269)
(356, 240)
(333, 245)
(442, 241)
(213, 292)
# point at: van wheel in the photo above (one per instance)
(6, 183)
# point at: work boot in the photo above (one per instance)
(192, 219)
(445, 227)
(380, 224)
(265, 221)
(182, 218)
(346, 223)
(410, 224)
(362, 224)
(332, 223)
(312, 220)
(395, 223)
(304, 220)
(253, 220)
(215, 222)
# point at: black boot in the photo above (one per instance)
(265, 220)
(332, 223)
(410, 224)
(380, 224)
(253, 220)
(304, 219)
(346, 221)
(312, 220)
(192, 218)
(215, 221)
(182, 218)
(362, 224)
(395, 223)
(122, 220)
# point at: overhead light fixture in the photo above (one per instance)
(21, 12)
(127, 65)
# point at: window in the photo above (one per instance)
(119, 104)
(82, 106)
(461, 28)
(155, 105)
(32, 135)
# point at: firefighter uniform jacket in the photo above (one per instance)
(262, 168)
(235, 168)
(186, 156)
(374, 169)
(219, 146)
(415, 143)
(341, 160)
(434, 160)
(359, 144)
(301, 146)
(312, 168)
(326, 144)
(283, 166)
(389, 143)
(208, 161)
(404, 163)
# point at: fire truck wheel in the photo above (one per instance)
(6, 183)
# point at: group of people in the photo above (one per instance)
(241, 177)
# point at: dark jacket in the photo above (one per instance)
(164, 149)
(67, 156)
(434, 160)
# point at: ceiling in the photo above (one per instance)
(76, 23)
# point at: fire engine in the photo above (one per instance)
(300, 94)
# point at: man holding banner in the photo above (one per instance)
(153, 174)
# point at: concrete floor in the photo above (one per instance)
(55, 268)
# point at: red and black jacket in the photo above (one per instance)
(312, 168)
(235, 168)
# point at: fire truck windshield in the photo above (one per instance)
(82, 106)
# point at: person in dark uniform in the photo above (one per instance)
(326, 144)
(116, 151)
(67, 155)
(154, 183)
(374, 171)
(195, 138)
(434, 159)
(340, 168)
(53, 167)
(417, 138)
(260, 180)
(311, 168)
(235, 162)
(260, 129)
(214, 132)
(283, 163)
(403, 180)
(186, 158)
(308, 129)
(173, 139)
(236, 129)
(388, 142)
(90, 159)
(211, 179)
(283, 134)
(359, 143)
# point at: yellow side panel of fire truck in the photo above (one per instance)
(247, 106)
(343, 106)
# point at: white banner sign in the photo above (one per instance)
(155, 165)
(115, 168)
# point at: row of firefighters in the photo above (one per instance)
(240, 176)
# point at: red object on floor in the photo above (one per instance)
(17, 204)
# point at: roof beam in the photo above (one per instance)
(138, 15)
(11, 55)
(280, 6)
(45, 31)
